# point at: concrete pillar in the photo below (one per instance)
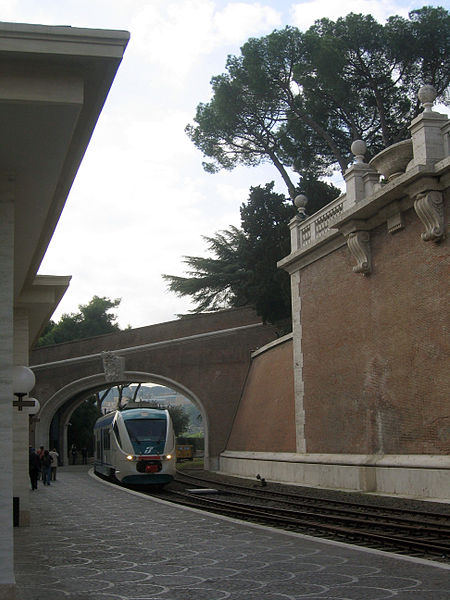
(427, 131)
(21, 480)
(7, 581)
(299, 388)
(360, 178)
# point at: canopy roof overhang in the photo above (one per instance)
(55, 81)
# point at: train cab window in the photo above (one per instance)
(147, 430)
(117, 434)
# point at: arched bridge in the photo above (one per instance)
(204, 357)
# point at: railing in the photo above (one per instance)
(316, 226)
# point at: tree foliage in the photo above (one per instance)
(243, 269)
(82, 423)
(299, 100)
(92, 319)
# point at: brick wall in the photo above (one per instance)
(265, 420)
(375, 348)
(187, 326)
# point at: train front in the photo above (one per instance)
(150, 435)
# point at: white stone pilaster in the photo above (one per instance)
(7, 581)
(298, 363)
(21, 481)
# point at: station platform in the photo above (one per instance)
(90, 540)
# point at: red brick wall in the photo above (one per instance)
(186, 326)
(265, 421)
(376, 354)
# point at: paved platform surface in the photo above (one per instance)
(91, 541)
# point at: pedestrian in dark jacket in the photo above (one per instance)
(34, 466)
(46, 462)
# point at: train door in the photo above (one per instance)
(106, 446)
(99, 445)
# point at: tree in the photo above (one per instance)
(299, 100)
(93, 319)
(264, 220)
(243, 270)
(82, 425)
(241, 124)
(214, 282)
(180, 419)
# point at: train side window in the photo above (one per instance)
(117, 434)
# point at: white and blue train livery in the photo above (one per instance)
(136, 446)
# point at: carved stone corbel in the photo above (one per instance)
(113, 366)
(429, 207)
(358, 244)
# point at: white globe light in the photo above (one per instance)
(33, 410)
(23, 380)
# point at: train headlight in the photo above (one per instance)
(130, 457)
(168, 456)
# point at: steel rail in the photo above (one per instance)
(404, 514)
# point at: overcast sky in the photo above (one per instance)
(141, 199)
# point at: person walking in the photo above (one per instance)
(84, 455)
(40, 453)
(46, 467)
(73, 451)
(34, 467)
(55, 458)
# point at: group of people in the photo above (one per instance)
(42, 465)
(74, 454)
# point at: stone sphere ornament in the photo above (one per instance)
(300, 202)
(359, 149)
(427, 95)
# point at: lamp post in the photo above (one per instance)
(23, 382)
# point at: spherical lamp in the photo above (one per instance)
(33, 410)
(23, 382)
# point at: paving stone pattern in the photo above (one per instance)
(91, 541)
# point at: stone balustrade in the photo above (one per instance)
(413, 172)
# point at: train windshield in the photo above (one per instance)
(147, 435)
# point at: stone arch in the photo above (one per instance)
(75, 392)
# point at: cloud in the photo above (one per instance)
(174, 34)
(305, 13)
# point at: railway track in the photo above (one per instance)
(411, 532)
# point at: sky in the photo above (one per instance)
(141, 199)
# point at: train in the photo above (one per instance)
(136, 446)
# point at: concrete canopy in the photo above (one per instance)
(55, 82)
